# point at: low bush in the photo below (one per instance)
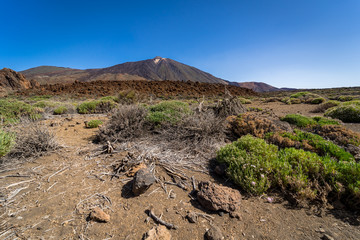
(299, 94)
(257, 166)
(46, 104)
(96, 106)
(304, 97)
(129, 97)
(325, 106)
(35, 142)
(302, 121)
(346, 112)
(168, 112)
(345, 98)
(316, 100)
(93, 123)
(6, 142)
(39, 97)
(12, 110)
(126, 122)
(244, 100)
(311, 142)
(338, 134)
(60, 110)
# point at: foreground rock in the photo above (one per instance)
(215, 197)
(99, 215)
(142, 181)
(158, 233)
(214, 233)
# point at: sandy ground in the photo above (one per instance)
(51, 198)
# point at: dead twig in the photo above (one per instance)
(15, 184)
(193, 183)
(178, 184)
(61, 170)
(14, 176)
(160, 221)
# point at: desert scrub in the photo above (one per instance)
(244, 100)
(306, 97)
(338, 134)
(12, 110)
(302, 121)
(126, 122)
(46, 104)
(93, 123)
(310, 142)
(167, 112)
(96, 106)
(325, 106)
(257, 166)
(345, 98)
(346, 112)
(39, 97)
(60, 110)
(6, 142)
(129, 97)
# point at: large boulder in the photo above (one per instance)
(11, 80)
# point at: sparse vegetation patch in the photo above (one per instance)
(12, 110)
(96, 106)
(6, 142)
(93, 123)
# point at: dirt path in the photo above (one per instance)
(51, 199)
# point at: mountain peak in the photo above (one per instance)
(157, 59)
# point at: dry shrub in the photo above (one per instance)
(36, 141)
(229, 106)
(198, 130)
(126, 122)
(325, 106)
(285, 142)
(258, 124)
(338, 134)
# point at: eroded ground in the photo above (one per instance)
(51, 198)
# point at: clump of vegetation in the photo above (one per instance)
(126, 122)
(229, 106)
(346, 112)
(96, 106)
(128, 97)
(6, 142)
(93, 123)
(338, 134)
(244, 100)
(309, 142)
(325, 106)
(34, 142)
(345, 98)
(257, 166)
(39, 97)
(257, 124)
(167, 112)
(60, 110)
(46, 104)
(302, 121)
(303, 97)
(12, 110)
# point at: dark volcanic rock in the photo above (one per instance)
(214, 233)
(142, 181)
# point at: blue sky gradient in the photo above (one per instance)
(285, 43)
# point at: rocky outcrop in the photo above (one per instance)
(11, 80)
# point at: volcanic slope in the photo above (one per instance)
(157, 69)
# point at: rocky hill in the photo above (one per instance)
(11, 80)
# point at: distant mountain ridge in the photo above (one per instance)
(156, 69)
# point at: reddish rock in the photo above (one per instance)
(158, 233)
(215, 197)
(99, 215)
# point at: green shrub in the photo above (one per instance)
(320, 145)
(299, 94)
(7, 141)
(12, 110)
(60, 110)
(244, 100)
(39, 97)
(45, 104)
(96, 106)
(302, 121)
(345, 112)
(317, 100)
(257, 166)
(345, 98)
(93, 123)
(167, 111)
(298, 120)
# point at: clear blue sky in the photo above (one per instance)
(285, 43)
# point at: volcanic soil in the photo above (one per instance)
(52, 196)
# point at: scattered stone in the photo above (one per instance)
(214, 233)
(172, 195)
(158, 233)
(192, 217)
(142, 181)
(327, 237)
(220, 169)
(99, 215)
(215, 197)
(320, 230)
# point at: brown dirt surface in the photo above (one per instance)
(52, 197)
(157, 88)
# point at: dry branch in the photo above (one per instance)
(160, 221)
